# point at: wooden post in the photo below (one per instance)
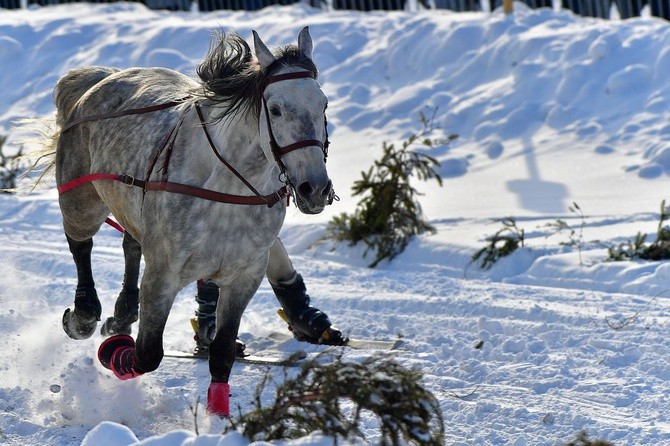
(507, 6)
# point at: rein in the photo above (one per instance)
(118, 114)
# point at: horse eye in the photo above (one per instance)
(275, 110)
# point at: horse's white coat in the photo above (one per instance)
(184, 238)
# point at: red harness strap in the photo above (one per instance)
(86, 179)
(115, 225)
(167, 186)
(184, 189)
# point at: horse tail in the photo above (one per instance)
(69, 89)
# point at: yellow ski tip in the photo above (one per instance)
(194, 324)
(324, 336)
(282, 315)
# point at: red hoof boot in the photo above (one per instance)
(118, 354)
(218, 399)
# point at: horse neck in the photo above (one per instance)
(236, 139)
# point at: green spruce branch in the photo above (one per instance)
(334, 397)
(11, 167)
(389, 214)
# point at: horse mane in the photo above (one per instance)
(229, 73)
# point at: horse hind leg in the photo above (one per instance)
(81, 323)
(127, 304)
(83, 213)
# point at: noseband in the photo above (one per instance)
(277, 150)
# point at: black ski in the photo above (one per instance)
(292, 360)
(357, 344)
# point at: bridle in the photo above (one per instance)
(279, 151)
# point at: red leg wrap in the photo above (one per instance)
(218, 399)
(123, 363)
(118, 354)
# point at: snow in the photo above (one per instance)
(550, 109)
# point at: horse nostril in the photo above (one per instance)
(327, 189)
(305, 189)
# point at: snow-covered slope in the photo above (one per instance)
(550, 109)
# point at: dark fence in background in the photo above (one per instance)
(174, 5)
(588, 8)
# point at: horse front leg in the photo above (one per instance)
(120, 353)
(127, 304)
(81, 323)
(222, 351)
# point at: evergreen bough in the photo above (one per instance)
(583, 439)
(639, 249)
(501, 244)
(389, 214)
(10, 167)
(314, 401)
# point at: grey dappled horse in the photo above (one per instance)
(197, 173)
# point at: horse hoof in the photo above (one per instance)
(113, 326)
(108, 346)
(78, 326)
(116, 354)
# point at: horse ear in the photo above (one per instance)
(263, 54)
(305, 42)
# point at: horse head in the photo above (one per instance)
(292, 123)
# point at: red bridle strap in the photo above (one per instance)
(299, 145)
(288, 76)
(276, 148)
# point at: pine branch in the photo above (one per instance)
(388, 214)
(313, 401)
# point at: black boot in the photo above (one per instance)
(307, 323)
(205, 322)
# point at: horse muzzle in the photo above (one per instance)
(312, 197)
